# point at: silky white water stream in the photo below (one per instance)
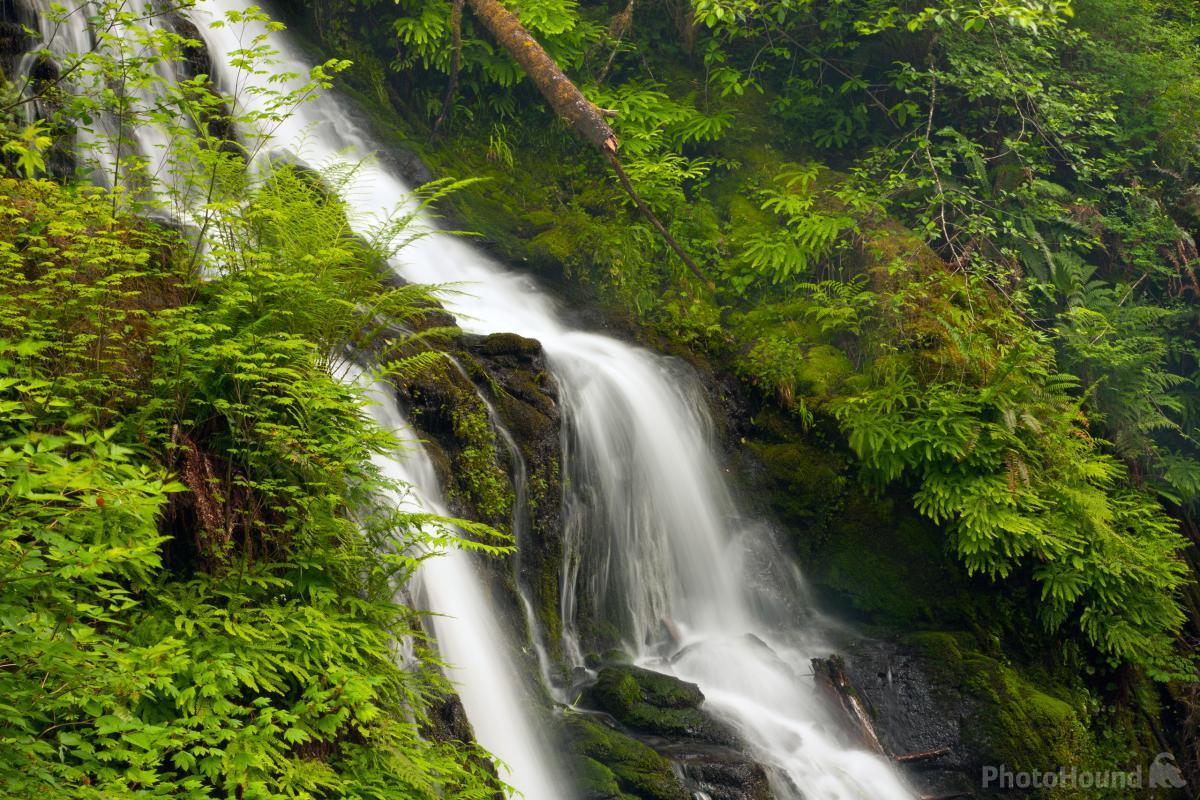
(664, 540)
(655, 542)
(468, 633)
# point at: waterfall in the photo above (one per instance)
(142, 154)
(66, 34)
(656, 530)
(655, 540)
(466, 628)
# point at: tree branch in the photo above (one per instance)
(586, 120)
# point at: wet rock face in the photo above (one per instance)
(196, 58)
(913, 713)
(512, 372)
(14, 42)
(410, 166)
(725, 774)
(196, 61)
(445, 405)
(933, 690)
(448, 723)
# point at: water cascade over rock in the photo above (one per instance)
(660, 571)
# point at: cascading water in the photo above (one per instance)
(466, 628)
(698, 590)
(657, 532)
(655, 541)
(65, 35)
(113, 150)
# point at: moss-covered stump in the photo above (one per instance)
(657, 705)
(608, 759)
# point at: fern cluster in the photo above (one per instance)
(196, 581)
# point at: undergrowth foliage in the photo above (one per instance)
(231, 630)
(200, 565)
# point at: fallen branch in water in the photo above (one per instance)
(923, 756)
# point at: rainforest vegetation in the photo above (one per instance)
(942, 257)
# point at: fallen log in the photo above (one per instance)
(834, 685)
(586, 120)
(924, 755)
(562, 95)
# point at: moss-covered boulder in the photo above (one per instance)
(606, 756)
(660, 705)
(445, 406)
(931, 690)
(1025, 720)
(596, 781)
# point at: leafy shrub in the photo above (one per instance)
(232, 632)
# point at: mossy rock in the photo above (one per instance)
(501, 344)
(808, 486)
(892, 567)
(511, 371)
(596, 781)
(642, 685)
(1022, 718)
(446, 406)
(638, 770)
(612, 656)
(965, 691)
(958, 690)
(656, 704)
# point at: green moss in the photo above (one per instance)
(478, 471)
(652, 703)
(808, 484)
(892, 566)
(543, 484)
(1027, 720)
(596, 781)
(447, 407)
(638, 769)
(822, 369)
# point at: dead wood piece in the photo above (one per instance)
(924, 755)
(588, 121)
(834, 684)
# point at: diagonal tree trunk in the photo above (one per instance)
(586, 120)
(564, 97)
